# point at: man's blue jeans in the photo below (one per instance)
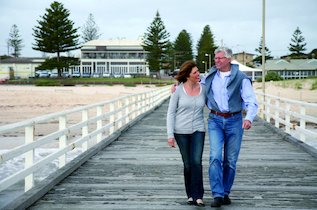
(191, 147)
(225, 135)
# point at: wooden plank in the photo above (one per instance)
(139, 171)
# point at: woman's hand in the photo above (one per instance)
(171, 142)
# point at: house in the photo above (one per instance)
(293, 68)
(19, 67)
(243, 58)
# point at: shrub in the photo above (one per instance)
(298, 85)
(314, 85)
(272, 76)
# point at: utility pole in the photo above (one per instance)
(263, 54)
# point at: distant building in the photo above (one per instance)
(244, 58)
(19, 67)
(293, 68)
(113, 57)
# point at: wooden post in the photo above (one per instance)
(29, 157)
(62, 141)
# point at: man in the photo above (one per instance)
(228, 92)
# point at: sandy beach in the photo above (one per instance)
(19, 103)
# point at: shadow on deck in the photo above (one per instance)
(139, 171)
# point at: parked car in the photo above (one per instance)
(127, 76)
(54, 75)
(95, 75)
(43, 74)
(117, 75)
(173, 73)
(65, 74)
(106, 75)
(86, 75)
(76, 74)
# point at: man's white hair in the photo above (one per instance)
(226, 50)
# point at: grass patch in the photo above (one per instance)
(298, 84)
(129, 85)
(314, 85)
(47, 82)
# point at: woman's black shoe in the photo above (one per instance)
(199, 202)
(190, 201)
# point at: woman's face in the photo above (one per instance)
(194, 75)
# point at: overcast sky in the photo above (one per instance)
(235, 23)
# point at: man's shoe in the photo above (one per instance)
(217, 202)
(226, 200)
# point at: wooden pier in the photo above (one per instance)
(139, 171)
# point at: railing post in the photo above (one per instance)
(139, 104)
(267, 111)
(127, 104)
(277, 116)
(99, 123)
(287, 119)
(111, 118)
(302, 123)
(263, 107)
(143, 102)
(62, 141)
(84, 129)
(133, 106)
(29, 157)
(119, 113)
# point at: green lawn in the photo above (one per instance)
(92, 81)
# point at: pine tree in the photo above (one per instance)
(297, 45)
(259, 50)
(55, 32)
(156, 43)
(182, 48)
(90, 30)
(15, 41)
(205, 48)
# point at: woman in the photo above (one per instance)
(185, 124)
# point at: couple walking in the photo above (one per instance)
(227, 92)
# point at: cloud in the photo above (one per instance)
(237, 24)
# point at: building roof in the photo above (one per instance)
(113, 44)
(244, 68)
(22, 60)
(291, 64)
(243, 53)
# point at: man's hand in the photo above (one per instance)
(171, 142)
(246, 124)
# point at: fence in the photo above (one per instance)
(289, 114)
(79, 128)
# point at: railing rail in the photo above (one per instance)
(94, 124)
(289, 114)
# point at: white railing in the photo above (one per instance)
(79, 128)
(289, 115)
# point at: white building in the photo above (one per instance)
(114, 57)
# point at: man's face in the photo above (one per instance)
(222, 63)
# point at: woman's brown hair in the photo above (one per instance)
(185, 70)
